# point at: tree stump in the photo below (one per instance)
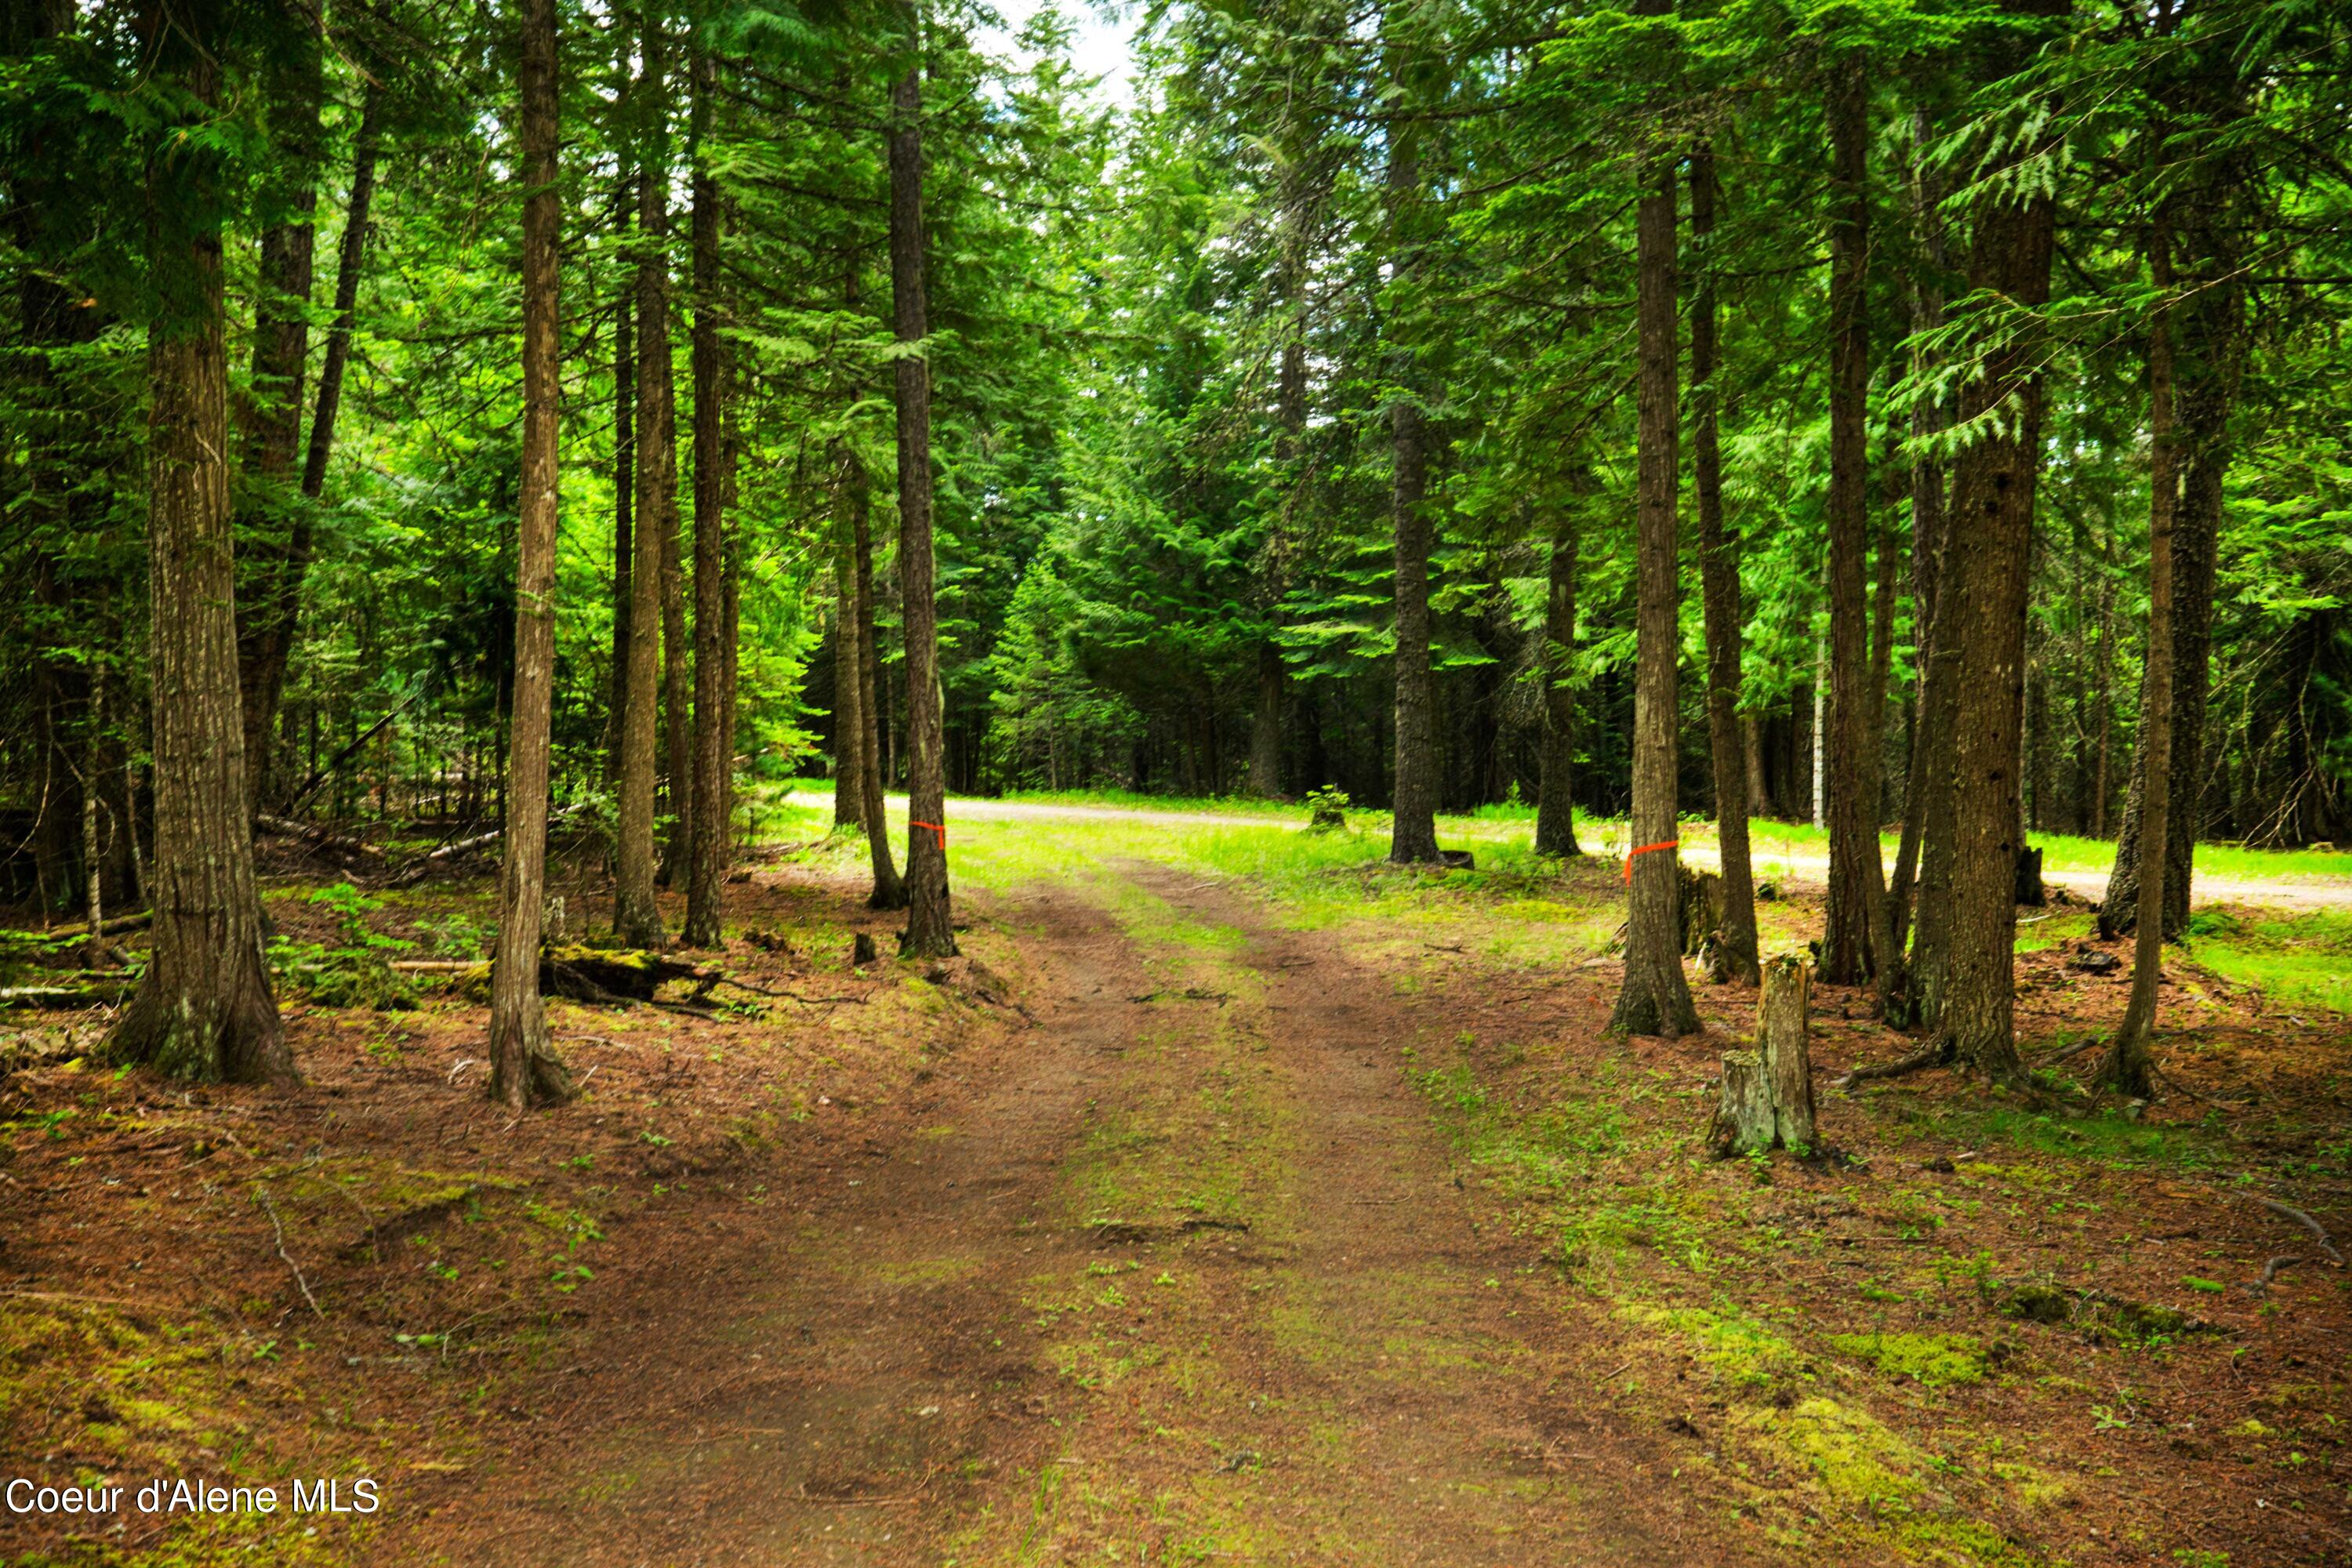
(2029, 877)
(1702, 909)
(862, 950)
(1768, 1091)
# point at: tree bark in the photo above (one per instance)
(625, 479)
(1655, 997)
(2208, 334)
(1766, 1099)
(1556, 788)
(270, 517)
(930, 925)
(889, 891)
(1265, 729)
(1854, 884)
(1413, 838)
(636, 919)
(1719, 589)
(677, 681)
(713, 750)
(1987, 581)
(2129, 1065)
(849, 706)
(523, 1066)
(203, 1009)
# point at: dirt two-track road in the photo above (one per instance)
(1180, 1274)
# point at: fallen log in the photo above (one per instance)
(62, 998)
(416, 871)
(591, 974)
(319, 837)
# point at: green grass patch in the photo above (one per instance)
(2301, 960)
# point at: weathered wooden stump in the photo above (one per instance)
(1767, 1090)
(2029, 877)
(862, 950)
(1701, 894)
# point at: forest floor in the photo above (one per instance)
(1234, 1197)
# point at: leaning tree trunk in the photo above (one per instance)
(705, 830)
(1928, 520)
(1734, 953)
(931, 924)
(636, 919)
(523, 1065)
(275, 622)
(890, 890)
(203, 1009)
(1556, 788)
(2129, 1065)
(268, 510)
(1656, 998)
(1855, 885)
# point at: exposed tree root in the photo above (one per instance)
(1936, 1052)
(2318, 1231)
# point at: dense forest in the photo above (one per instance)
(1322, 417)
(1161, 630)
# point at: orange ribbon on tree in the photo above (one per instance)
(1644, 849)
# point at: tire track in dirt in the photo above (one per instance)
(1185, 1276)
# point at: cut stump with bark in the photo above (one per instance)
(1701, 901)
(1766, 1099)
(2028, 878)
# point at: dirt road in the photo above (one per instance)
(1183, 1274)
(1804, 865)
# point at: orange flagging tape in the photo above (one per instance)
(938, 829)
(1644, 849)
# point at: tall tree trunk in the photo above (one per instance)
(931, 924)
(706, 872)
(1414, 836)
(636, 919)
(523, 1065)
(625, 479)
(677, 680)
(203, 1009)
(1986, 579)
(1927, 531)
(1656, 998)
(1751, 731)
(267, 511)
(849, 706)
(1556, 786)
(1718, 555)
(2129, 1065)
(1266, 728)
(889, 891)
(2208, 332)
(1854, 884)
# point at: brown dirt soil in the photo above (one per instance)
(1155, 1229)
